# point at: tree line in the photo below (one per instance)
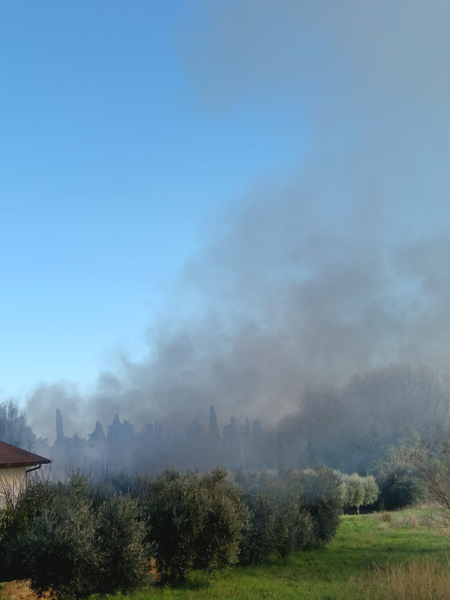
(346, 428)
(102, 533)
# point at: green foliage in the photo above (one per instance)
(15, 517)
(353, 490)
(85, 537)
(428, 462)
(120, 544)
(321, 498)
(358, 491)
(399, 488)
(278, 523)
(399, 483)
(361, 547)
(64, 542)
(195, 521)
(176, 508)
(57, 549)
(218, 542)
(371, 490)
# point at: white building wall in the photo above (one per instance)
(12, 482)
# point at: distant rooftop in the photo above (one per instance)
(12, 456)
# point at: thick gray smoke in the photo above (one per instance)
(338, 267)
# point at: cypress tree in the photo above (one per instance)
(98, 435)
(59, 426)
(213, 428)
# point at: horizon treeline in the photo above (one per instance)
(347, 429)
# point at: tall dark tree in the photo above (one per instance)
(115, 430)
(98, 435)
(213, 428)
(232, 444)
(59, 426)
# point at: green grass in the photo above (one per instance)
(324, 572)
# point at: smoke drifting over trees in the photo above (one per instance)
(335, 268)
(349, 429)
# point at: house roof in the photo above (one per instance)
(12, 456)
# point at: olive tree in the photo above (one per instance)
(357, 491)
(70, 547)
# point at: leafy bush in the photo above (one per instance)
(278, 524)
(85, 537)
(57, 549)
(372, 491)
(399, 488)
(357, 491)
(72, 549)
(120, 544)
(218, 542)
(195, 521)
(321, 498)
(15, 517)
(399, 482)
(176, 508)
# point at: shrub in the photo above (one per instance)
(321, 498)
(195, 521)
(120, 544)
(278, 524)
(14, 518)
(357, 491)
(399, 481)
(399, 487)
(57, 549)
(371, 490)
(354, 490)
(217, 545)
(72, 548)
(84, 537)
(176, 508)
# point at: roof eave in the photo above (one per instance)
(28, 463)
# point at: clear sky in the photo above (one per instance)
(111, 166)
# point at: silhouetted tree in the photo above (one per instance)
(98, 435)
(13, 426)
(59, 426)
(213, 430)
(114, 430)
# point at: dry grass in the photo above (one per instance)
(411, 519)
(17, 590)
(426, 580)
(414, 520)
(20, 590)
(386, 517)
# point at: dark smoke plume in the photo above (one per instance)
(337, 268)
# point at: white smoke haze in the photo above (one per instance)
(340, 267)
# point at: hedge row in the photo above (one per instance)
(82, 537)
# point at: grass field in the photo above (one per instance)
(352, 566)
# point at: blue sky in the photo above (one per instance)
(111, 167)
(247, 197)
